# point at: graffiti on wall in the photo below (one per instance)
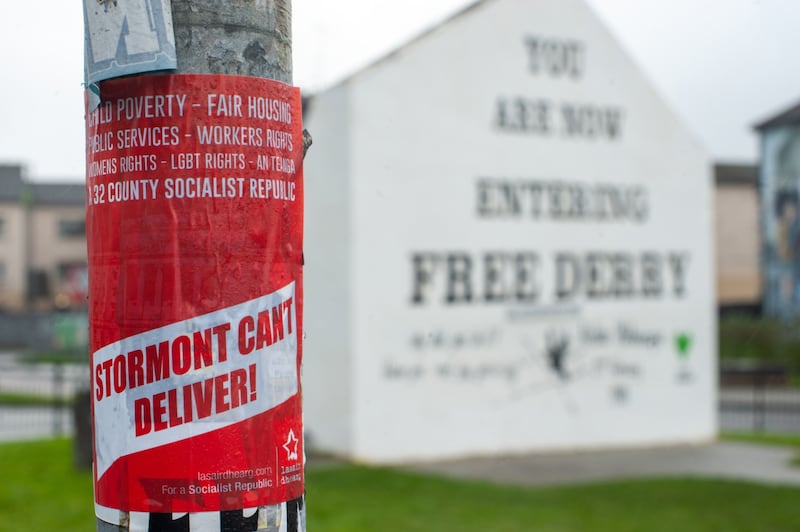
(781, 221)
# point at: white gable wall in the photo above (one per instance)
(436, 379)
(328, 348)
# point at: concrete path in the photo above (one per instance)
(726, 460)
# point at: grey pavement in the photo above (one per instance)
(722, 460)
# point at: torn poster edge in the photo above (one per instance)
(125, 37)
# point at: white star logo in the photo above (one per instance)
(291, 446)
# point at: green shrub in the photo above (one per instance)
(760, 340)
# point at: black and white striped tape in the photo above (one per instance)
(286, 517)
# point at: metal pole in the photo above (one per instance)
(60, 402)
(244, 37)
(233, 37)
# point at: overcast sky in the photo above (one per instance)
(723, 65)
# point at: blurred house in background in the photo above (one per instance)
(780, 197)
(42, 244)
(737, 236)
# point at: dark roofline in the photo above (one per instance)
(58, 194)
(40, 194)
(11, 183)
(735, 174)
(14, 188)
(789, 117)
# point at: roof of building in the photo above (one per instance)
(789, 117)
(58, 194)
(10, 183)
(15, 189)
(735, 174)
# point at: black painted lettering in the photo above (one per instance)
(623, 275)
(424, 265)
(525, 286)
(651, 274)
(495, 287)
(568, 276)
(555, 57)
(591, 122)
(459, 278)
(523, 115)
(677, 266)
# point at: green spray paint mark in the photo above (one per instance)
(683, 342)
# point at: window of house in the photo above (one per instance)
(38, 284)
(2, 227)
(3, 274)
(72, 228)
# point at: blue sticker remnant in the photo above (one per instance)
(124, 37)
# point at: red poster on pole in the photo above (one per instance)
(195, 227)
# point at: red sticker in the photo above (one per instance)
(195, 226)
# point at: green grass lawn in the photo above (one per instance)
(784, 440)
(391, 501)
(41, 491)
(28, 399)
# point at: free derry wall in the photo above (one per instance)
(508, 247)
